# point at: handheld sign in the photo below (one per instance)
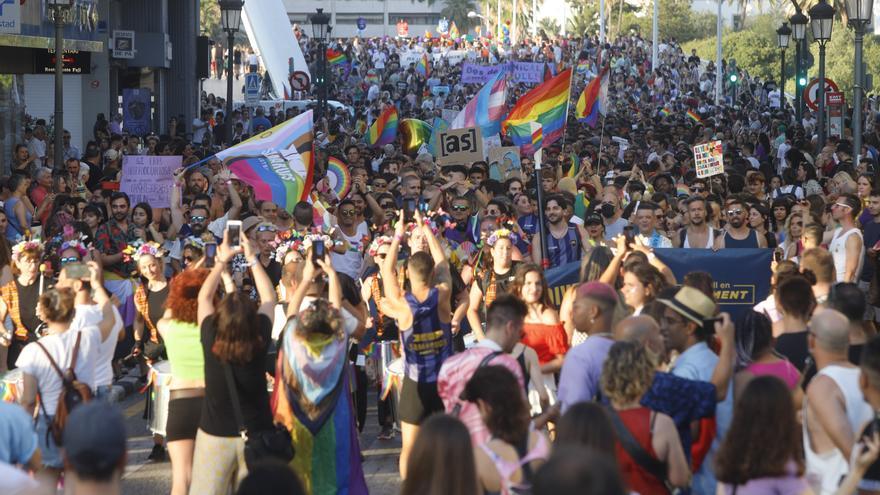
(708, 159)
(149, 178)
(460, 146)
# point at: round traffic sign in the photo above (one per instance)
(299, 81)
(811, 92)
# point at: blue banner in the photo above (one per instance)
(136, 110)
(741, 277)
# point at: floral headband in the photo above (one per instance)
(502, 233)
(137, 249)
(193, 241)
(75, 244)
(26, 246)
(377, 243)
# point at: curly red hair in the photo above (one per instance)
(183, 295)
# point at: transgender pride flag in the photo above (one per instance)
(278, 163)
(487, 109)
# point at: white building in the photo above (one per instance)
(381, 16)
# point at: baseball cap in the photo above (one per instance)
(94, 437)
(593, 219)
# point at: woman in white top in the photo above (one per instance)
(56, 307)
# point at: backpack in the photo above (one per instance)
(73, 392)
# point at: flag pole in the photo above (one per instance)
(545, 260)
(567, 105)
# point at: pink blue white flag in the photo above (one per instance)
(487, 109)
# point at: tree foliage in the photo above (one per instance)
(457, 11)
(549, 26)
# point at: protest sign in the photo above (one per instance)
(448, 114)
(506, 158)
(409, 57)
(149, 178)
(522, 72)
(136, 111)
(708, 159)
(460, 146)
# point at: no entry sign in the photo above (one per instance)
(811, 92)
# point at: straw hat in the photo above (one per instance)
(692, 304)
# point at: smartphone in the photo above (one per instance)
(629, 231)
(234, 228)
(210, 254)
(777, 255)
(409, 209)
(77, 271)
(317, 251)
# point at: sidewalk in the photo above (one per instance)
(380, 456)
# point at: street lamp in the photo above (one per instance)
(821, 22)
(474, 15)
(859, 14)
(321, 32)
(59, 9)
(783, 36)
(230, 17)
(799, 30)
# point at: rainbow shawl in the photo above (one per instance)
(312, 400)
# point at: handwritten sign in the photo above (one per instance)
(149, 178)
(523, 72)
(460, 146)
(708, 159)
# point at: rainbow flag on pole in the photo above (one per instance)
(693, 116)
(547, 104)
(384, 129)
(422, 66)
(336, 57)
(590, 104)
(277, 163)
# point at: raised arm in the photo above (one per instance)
(177, 219)
(225, 253)
(265, 290)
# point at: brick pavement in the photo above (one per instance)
(380, 456)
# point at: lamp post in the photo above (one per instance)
(59, 10)
(799, 30)
(821, 22)
(783, 36)
(230, 17)
(474, 15)
(321, 32)
(859, 14)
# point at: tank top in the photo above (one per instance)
(566, 249)
(751, 241)
(709, 243)
(831, 467)
(521, 359)
(506, 469)
(837, 247)
(184, 347)
(639, 423)
(428, 342)
(13, 229)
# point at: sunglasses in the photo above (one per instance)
(388, 206)
(72, 259)
(348, 213)
(198, 218)
(734, 212)
(380, 184)
(461, 208)
(188, 259)
(266, 228)
(842, 205)
(698, 189)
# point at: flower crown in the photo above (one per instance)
(77, 245)
(428, 221)
(26, 245)
(135, 250)
(377, 243)
(502, 233)
(193, 241)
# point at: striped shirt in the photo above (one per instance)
(428, 342)
(565, 250)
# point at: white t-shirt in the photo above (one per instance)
(90, 315)
(351, 262)
(33, 361)
(379, 58)
(199, 129)
(37, 148)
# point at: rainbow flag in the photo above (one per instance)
(415, 133)
(278, 163)
(581, 205)
(537, 132)
(440, 126)
(339, 177)
(422, 66)
(384, 129)
(590, 104)
(575, 165)
(487, 108)
(664, 112)
(336, 57)
(547, 105)
(693, 116)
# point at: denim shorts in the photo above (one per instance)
(49, 451)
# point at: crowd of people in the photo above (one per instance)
(423, 289)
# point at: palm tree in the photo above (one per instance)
(457, 11)
(549, 26)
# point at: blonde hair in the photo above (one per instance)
(847, 184)
(627, 373)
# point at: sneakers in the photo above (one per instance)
(387, 433)
(157, 454)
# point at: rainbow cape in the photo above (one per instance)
(422, 66)
(547, 105)
(415, 133)
(384, 129)
(338, 176)
(335, 57)
(278, 163)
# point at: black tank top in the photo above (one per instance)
(521, 359)
(751, 241)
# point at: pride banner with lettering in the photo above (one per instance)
(741, 277)
(278, 163)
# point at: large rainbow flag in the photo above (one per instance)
(487, 108)
(336, 57)
(384, 129)
(422, 67)
(414, 133)
(592, 103)
(547, 104)
(277, 163)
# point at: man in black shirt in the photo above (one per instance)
(869, 383)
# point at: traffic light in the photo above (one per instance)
(733, 78)
(802, 82)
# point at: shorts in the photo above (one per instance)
(418, 401)
(50, 453)
(183, 418)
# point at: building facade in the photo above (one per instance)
(381, 16)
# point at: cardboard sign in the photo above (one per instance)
(506, 158)
(149, 178)
(460, 146)
(708, 159)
